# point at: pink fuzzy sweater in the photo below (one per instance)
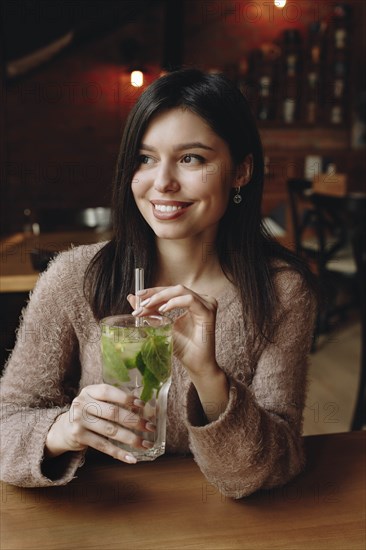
(255, 443)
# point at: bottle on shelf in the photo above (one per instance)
(262, 71)
(291, 74)
(313, 72)
(338, 65)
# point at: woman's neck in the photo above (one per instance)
(193, 264)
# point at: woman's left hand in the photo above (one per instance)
(194, 331)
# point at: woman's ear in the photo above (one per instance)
(244, 172)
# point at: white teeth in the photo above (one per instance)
(167, 208)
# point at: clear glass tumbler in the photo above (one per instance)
(137, 358)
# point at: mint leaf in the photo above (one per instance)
(130, 362)
(156, 354)
(140, 363)
(150, 383)
(114, 366)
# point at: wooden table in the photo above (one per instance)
(16, 271)
(168, 504)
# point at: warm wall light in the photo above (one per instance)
(280, 3)
(137, 78)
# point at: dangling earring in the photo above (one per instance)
(237, 197)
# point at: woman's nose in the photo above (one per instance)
(165, 179)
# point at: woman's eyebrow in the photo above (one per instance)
(192, 145)
(180, 146)
(147, 147)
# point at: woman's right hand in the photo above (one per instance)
(98, 413)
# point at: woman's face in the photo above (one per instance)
(185, 174)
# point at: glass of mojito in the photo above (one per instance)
(137, 358)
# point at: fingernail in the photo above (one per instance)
(145, 302)
(162, 308)
(141, 292)
(137, 311)
(131, 459)
(150, 426)
(139, 403)
(147, 444)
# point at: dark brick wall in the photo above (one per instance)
(62, 123)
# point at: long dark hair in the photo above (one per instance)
(244, 248)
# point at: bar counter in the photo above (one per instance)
(16, 271)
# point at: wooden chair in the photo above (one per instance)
(359, 246)
(322, 237)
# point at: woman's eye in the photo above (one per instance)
(144, 159)
(192, 159)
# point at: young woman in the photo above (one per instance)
(186, 202)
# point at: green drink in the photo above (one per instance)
(137, 357)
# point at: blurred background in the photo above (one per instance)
(70, 73)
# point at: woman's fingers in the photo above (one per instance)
(106, 392)
(106, 446)
(102, 401)
(91, 412)
(99, 415)
(132, 300)
(102, 414)
(115, 432)
(109, 394)
(166, 298)
(188, 301)
(142, 295)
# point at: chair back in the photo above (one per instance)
(320, 217)
(302, 210)
(332, 227)
(359, 248)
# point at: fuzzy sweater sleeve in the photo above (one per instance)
(256, 442)
(35, 381)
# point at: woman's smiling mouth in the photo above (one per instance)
(168, 210)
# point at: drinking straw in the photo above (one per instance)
(139, 285)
